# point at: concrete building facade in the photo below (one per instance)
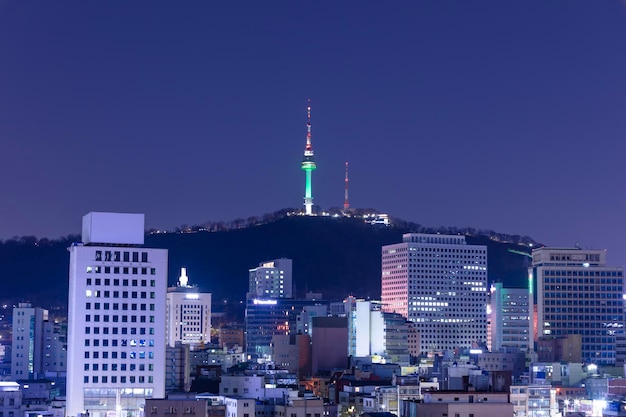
(188, 313)
(116, 318)
(439, 282)
(27, 350)
(330, 343)
(510, 318)
(374, 332)
(271, 279)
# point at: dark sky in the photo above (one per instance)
(507, 115)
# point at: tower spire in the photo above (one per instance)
(309, 147)
(308, 164)
(346, 204)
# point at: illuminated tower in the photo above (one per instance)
(308, 165)
(346, 204)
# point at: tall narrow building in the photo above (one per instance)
(439, 282)
(510, 318)
(28, 341)
(116, 318)
(308, 166)
(578, 293)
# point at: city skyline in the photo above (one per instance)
(493, 116)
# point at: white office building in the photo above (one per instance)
(578, 293)
(116, 318)
(271, 279)
(27, 343)
(510, 318)
(439, 282)
(188, 313)
(374, 333)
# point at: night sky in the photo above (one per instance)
(504, 115)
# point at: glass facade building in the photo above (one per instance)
(577, 293)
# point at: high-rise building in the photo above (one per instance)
(271, 279)
(578, 293)
(39, 345)
(27, 350)
(116, 318)
(510, 318)
(439, 282)
(188, 313)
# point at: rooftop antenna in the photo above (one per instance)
(346, 203)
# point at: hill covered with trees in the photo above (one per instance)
(338, 256)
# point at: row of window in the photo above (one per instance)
(115, 318)
(579, 295)
(116, 270)
(582, 273)
(122, 355)
(600, 288)
(118, 256)
(173, 410)
(119, 330)
(123, 379)
(115, 367)
(120, 342)
(592, 310)
(116, 294)
(116, 306)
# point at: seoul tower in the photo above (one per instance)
(308, 165)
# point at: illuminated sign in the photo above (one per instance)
(265, 302)
(192, 296)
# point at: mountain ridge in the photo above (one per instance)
(338, 256)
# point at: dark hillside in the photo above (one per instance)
(335, 256)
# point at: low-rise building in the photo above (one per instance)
(10, 399)
(177, 407)
(534, 400)
(459, 404)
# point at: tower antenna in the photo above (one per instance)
(346, 204)
(308, 164)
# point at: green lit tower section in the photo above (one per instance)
(308, 165)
